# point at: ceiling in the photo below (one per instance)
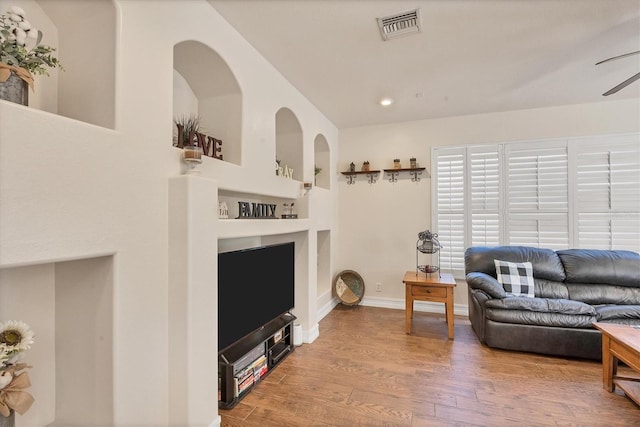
(472, 56)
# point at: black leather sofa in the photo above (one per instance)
(573, 289)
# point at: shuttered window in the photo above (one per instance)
(537, 194)
(449, 181)
(570, 193)
(484, 195)
(608, 192)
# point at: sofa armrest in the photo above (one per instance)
(486, 283)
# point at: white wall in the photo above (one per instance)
(72, 190)
(379, 223)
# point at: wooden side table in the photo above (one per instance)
(422, 287)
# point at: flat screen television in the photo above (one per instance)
(255, 286)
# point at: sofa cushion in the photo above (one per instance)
(550, 289)
(525, 317)
(603, 294)
(543, 305)
(613, 312)
(546, 263)
(619, 268)
(515, 277)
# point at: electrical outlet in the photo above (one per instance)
(378, 287)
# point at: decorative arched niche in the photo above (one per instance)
(204, 87)
(85, 90)
(322, 162)
(289, 143)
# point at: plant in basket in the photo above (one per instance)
(21, 54)
(15, 338)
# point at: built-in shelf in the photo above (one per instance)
(414, 172)
(372, 176)
(235, 228)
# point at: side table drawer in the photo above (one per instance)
(425, 291)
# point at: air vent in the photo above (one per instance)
(399, 25)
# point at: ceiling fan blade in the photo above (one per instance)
(623, 84)
(618, 57)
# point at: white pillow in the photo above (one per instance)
(516, 278)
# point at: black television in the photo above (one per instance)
(255, 286)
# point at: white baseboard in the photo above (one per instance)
(326, 309)
(425, 306)
(311, 335)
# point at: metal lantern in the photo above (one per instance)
(428, 244)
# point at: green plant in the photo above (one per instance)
(185, 127)
(317, 170)
(15, 31)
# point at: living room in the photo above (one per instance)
(108, 248)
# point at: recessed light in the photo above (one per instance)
(385, 102)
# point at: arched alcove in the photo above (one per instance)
(85, 90)
(322, 162)
(204, 86)
(289, 142)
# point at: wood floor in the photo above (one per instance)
(364, 370)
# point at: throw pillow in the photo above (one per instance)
(516, 278)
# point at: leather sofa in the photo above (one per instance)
(573, 289)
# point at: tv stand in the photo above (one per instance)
(245, 363)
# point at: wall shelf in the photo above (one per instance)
(414, 172)
(236, 228)
(372, 176)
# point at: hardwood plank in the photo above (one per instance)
(364, 370)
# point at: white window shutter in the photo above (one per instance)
(484, 194)
(608, 192)
(537, 195)
(449, 208)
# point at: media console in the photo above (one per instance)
(245, 363)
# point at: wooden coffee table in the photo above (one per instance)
(429, 287)
(620, 342)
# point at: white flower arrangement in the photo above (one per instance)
(15, 32)
(15, 338)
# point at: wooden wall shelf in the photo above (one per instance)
(372, 176)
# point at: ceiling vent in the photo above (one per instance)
(400, 25)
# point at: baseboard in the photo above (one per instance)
(326, 308)
(311, 335)
(425, 306)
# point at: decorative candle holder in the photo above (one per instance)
(413, 163)
(366, 166)
(396, 164)
(192, 156)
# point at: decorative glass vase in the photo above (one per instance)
(15, 90)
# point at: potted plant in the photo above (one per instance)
(186, 128)
(316, 171)
(18, 63)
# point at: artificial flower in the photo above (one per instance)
(15, 336)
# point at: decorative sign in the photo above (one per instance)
(223, 210)
(256, 210)
(284, 171)
(211, 146)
